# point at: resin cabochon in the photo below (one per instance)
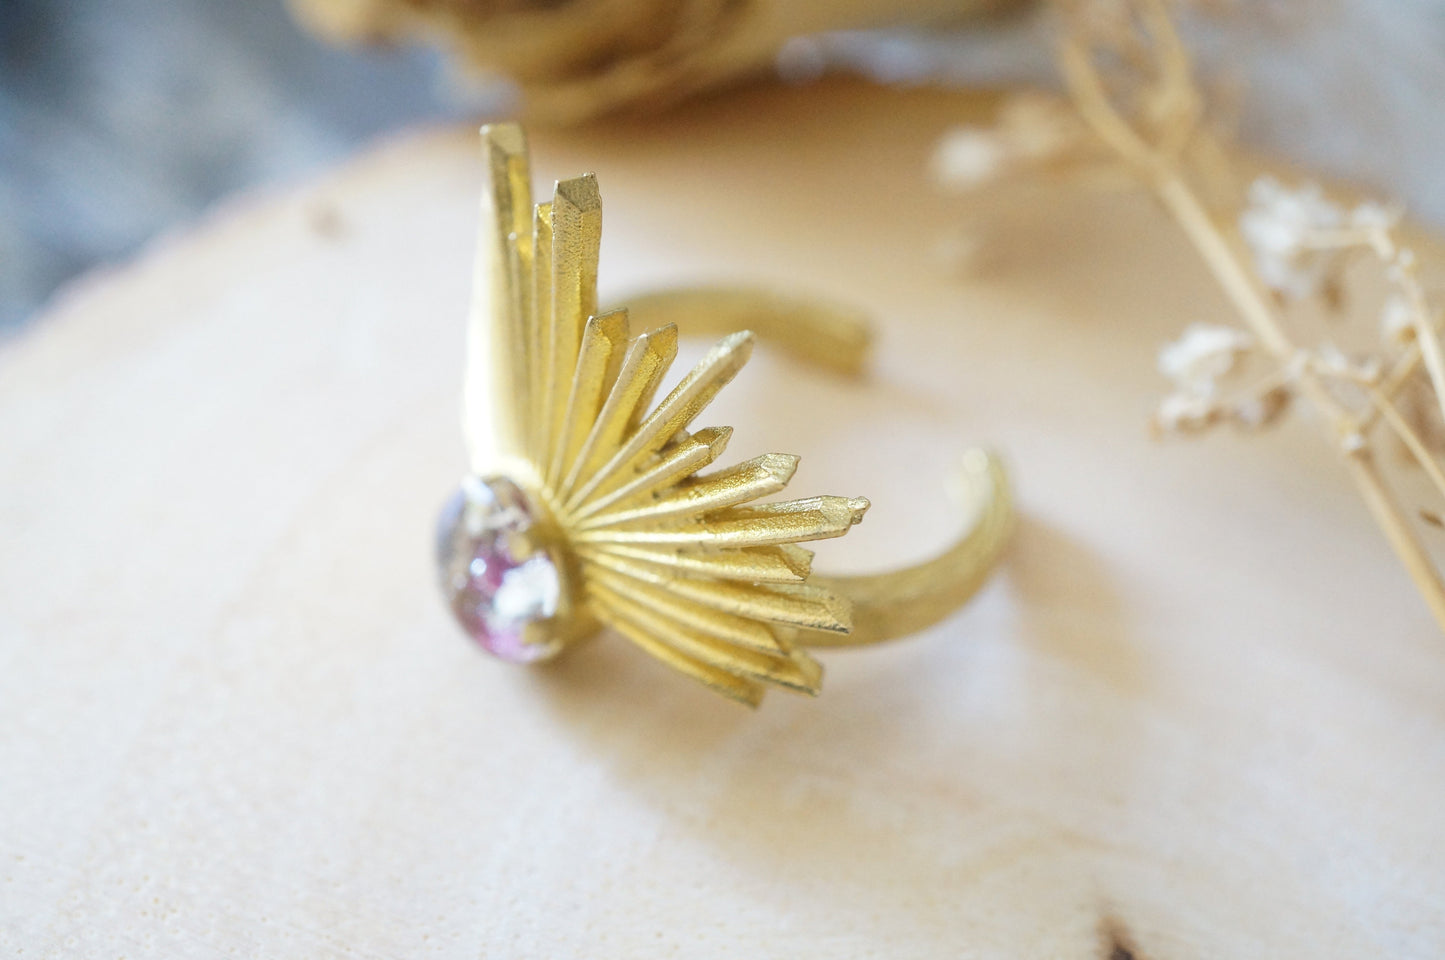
(1200, 714)
(495, 590)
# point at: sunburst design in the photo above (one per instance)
(609, 493)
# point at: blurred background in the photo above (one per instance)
(122, 119)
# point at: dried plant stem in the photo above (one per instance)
(1235, 279)
(1397, 530)
(1410, 438)
(1393, 383)
(1428, 339)
(1187, 210)
(1157, 163)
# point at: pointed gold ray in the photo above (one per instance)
(797, 604)
(576, 242)
(681, 459)
(725, 627)
(743, 483)
(802, 674)
(496, 329)
(646, 362)
(603, 340)
(855, 507)
(520, 399)
(674, 413)
(539, 332)
(509, 165)
(817, 518)
(733, 687)
(668, 333)
(784, 563)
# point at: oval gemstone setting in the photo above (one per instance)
(497, 581)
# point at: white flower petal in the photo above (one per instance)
(969, 157)
(1205, 353)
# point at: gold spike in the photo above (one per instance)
(674, 413)
(727, 684)
(598, 361)
(511, 194)
(683, 458)
(780, 564)
(539, 335)
(496, 333)
(668, 335)
(798, 604)
(817, 518)
(799, 558)
(855, 507)
(521, 288)
(576, 241)
(745, 482)
(647, 360)
(724, 627)
(802, 674)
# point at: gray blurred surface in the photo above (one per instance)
(122, 118)
(1353, 88)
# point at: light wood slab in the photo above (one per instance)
(1201, 714)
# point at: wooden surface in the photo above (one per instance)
(1201, 713)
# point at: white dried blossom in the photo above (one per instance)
(1206, 352)
(969, 157)
(1354, 442)
(1401, 267)
(1254, 413)
(1183, 413)
(1331, 360)
(1374, 216)
(1278, 225)
(1397, 323)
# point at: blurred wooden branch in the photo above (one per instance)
(587, 57)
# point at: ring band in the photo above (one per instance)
(585, 505)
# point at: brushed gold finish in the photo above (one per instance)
(690, 567)
(902, 602)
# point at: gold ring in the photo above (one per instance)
(585, 506)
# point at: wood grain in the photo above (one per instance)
(1201, 714)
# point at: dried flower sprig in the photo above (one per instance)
(1135, 102)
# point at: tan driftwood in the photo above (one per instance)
(1200, 713)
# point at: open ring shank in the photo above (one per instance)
(902, 602)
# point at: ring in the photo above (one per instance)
(585, 505)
